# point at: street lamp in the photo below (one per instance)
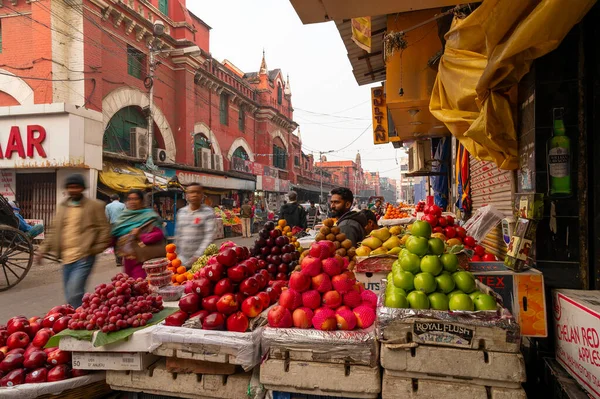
(158, 31)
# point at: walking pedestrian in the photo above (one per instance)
(195, 226)
(136, 225)
(113, 211)
(293, 213)
(246, 215)
(78, 233)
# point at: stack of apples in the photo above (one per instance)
(23, 358)
(324, 295)
(229, 291)
(276, 249)
(424, 277)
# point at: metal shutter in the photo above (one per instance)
(492, 186)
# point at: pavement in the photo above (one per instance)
(42, 288)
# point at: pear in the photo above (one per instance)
(363, 251)
(382, 234)
(394, 251)
(372, 242)
(395, 230)
(378, 251)
(392, 242)
(404, 239)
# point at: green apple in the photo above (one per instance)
(403, 252)
(404, 280)
(464, 282)
(411, 263)
(431, 264)
(455, 292)
(485, 302)
(396, 300)
(473, 295)
(438, 301)
(391, 288)
(418, 300)
(445, 283)
(461, 302)
(417, 245)
(396, 265)
(421, 228)
(450, 262)
(425, 282)
(436, 246)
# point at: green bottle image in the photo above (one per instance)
(559, 158)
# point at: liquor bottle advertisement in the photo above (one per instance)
(559, 158)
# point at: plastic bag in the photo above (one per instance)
(483, 221)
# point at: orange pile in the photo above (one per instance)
(394, 212)
(287, 231)
(180, 273)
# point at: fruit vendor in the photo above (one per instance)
(195, 227)
(371, 221)
(351, 223)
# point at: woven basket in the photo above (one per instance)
(94, 390)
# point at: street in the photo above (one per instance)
(42, 288)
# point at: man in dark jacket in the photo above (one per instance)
(351, 223)
(293, 213)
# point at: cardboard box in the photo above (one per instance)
(577, 322)
(523, 294)
(370, 271)
(134, 361)
(140, 341)
(372, 281)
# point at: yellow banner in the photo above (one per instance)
(361, 32)
(380, 116)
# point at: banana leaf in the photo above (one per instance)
(82, 335)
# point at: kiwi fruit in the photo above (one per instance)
(351, 266)
(335, 230)
(350, 251)
(340, 237)
(341, 252)
(305, 253)
(325, 230)
(328, 222)
(330, 237)
(337, 244)
(319, 237)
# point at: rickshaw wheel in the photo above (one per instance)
(16, 256)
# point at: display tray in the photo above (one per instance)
(358, 347)
(88, 386)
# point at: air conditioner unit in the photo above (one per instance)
(139, 142)
(160, 155)
(205, 158)
(419, 156)
(217, 162)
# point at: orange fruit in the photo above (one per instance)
(173, 278)
(281, 223)
(176, 263)
(190, 276)
(286, 229)
(181, 269)
(171, 255)
(170, 248)
(175, 283)
(181, 278)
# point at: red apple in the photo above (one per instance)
(237, 273)
(437, 229)
(450, 220)
(280, 317)
(214, 272)
(281, 276)
(237, 322)
(461, 232)
(15, 377)
(59, 357)
(214, 321)
(470, 241)
(252, 306)
(41, 338)
(16, 324)
(37, 376)
(489, 258)
(227, 258)
(176, 319)
(450, 232)
(3, 337)
(49, 320)
(78, 373)
(11, 361)
(265, 299)
(210, 303)
(61, 324)
(249, 286)
(431, 219)
(261, 279)
(4, 350)
(442, 221)
(50, 350)
(190, 303)
(227, 304)
(19, 339)
(201, 314)
(59, 373)
(223, 286)
(35, 359)
(202, 287)
(479, 250)
(475, 258)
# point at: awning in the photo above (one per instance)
(122, 178)
(486, 55)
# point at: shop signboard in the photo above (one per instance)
(7, 184)
(242, 165)
(380, 117)
(577, 322)
(215, 181)
(258, 169)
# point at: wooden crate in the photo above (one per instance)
(313, 378)
(408, 388)
(205, 353)
(482, 368)
(176, 365)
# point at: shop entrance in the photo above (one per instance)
(36, 195)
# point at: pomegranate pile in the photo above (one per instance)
(229, 291)
(276, 250)
(24, 360)
(124, 302)
(324, 295)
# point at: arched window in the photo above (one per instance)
(239, 160)
(200, 142)
(279, 93)
(279, 154)
(241, 153)
(117, 135)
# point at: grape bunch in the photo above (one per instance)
(124, 302)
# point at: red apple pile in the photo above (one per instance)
(420, 207)
(24, 360)
(481, 255)
(275, 250)
(124, 302)
(324, 295)
(229, 291)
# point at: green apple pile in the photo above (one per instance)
(424, 277)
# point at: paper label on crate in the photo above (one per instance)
(443, 333)
(106, 361)
(578, 341)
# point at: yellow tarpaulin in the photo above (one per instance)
(486, 55)
(122, 178)
(361, 33)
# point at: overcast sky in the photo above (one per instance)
(320, 74)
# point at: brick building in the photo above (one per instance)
(346, 174)
(74, 90)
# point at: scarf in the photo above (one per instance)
(129, 220)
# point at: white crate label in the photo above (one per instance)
(578, 341)
(106, 361)
(443, 333)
